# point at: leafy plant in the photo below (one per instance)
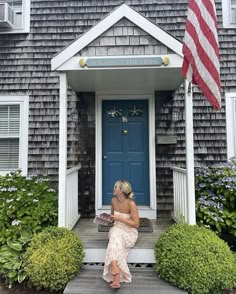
(25, 203)
(216, 197)
(11, 258)
(27, 206)
(196, 259)
(53, 258)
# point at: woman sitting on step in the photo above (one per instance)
(122, 236)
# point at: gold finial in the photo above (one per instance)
(82, 62)
(166, 60)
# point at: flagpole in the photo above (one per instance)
(190, 186)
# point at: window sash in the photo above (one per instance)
(9, 136)
(233, 11)
(10, 121)
(9, 154)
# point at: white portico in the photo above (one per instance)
(134, 76)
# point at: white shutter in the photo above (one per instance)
(9, 136)
(233, 11)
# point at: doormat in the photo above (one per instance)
(145, 226)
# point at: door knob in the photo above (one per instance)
(125, 132)
(104, 157)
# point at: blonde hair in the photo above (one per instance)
(126, 188)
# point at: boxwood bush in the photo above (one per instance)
(196, 259)
(53, 258)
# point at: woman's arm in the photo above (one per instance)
(112, 206)
(134, 221)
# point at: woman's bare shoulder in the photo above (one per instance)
(132, 203)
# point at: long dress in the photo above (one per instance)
(121, 239)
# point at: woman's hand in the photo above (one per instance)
(116, 217)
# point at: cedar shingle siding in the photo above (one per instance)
(25, 70)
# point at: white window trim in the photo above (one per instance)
(25, 20)
(144, 211)
(23, 101)
(227, 15)
(230, 121)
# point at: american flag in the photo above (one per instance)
(201, 53)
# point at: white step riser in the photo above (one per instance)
(135, 255)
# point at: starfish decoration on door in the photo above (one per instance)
(113, 112)
(135, 111)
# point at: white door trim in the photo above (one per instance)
(144, 211)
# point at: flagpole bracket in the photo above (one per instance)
(189, 90)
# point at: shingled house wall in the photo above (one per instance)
(25, 70)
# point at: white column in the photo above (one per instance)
(62, 152)
(189, 155)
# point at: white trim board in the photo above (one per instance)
(144, 211)
(175, 61)
(106, 23)
(230, 109)
(135, 255)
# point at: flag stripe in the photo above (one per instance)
(210, 7)
(201, 53)
(205, 24)
(206, 84)
(207, 56)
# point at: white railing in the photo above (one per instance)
(72, 214)
(180, 195)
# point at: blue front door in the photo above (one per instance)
(125, 147)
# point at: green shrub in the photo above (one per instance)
(27, 206)
(26, 203)
(11, 258)
(53, 258)
(216, 197)
(196, 259)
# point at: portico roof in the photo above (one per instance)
(145, 77)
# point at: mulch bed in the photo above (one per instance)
(22, 289)
(231, 240)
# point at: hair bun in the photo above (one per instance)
(131, 195)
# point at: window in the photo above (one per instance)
(14, 16)
(230, 104)
(13, 133)
(229, 13)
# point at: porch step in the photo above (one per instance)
(145, 280)
(136, 255)
(95, 243)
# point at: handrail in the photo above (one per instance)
(72, 214)
(73, 169)
(179, 169)
(180, 195)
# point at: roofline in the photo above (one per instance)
(106, 23)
